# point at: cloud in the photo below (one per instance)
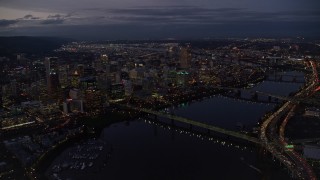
(154, 18)
(172, 11)
(55, 19)
(30, 20)
(29, 17)
(6, 23)
(135, 31)
(200, 15)
(56, 16)
(165, 21)
(52, 21)
(170, 15)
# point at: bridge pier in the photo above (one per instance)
(228, 137)
(190, 127)
(173, 134)
(294, 79)
(155, 130)
(172, 122)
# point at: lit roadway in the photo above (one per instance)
(297, 141)
(18, 125)
(295, 100)
(292, 154)
(276, 144)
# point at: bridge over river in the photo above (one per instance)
(293, 99)
(197, 124)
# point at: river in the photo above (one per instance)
(141, 149)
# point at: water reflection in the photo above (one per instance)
(148, 149)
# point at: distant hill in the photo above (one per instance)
(29, 44)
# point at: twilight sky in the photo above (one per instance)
(145, 19)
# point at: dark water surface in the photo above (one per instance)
(142, 150)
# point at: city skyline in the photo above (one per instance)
(159, 19)
(150, 89)
(97, 109)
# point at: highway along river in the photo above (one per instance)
(146, 149)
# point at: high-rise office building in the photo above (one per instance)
(21, 59)
(87, 82)
(75, 79)
(182, 78)
(116, 91)
(128, 87)
(1, 103)
(51, 64)
(92, 99)
(80, 70)
(185, 58)
(104, 58)
(14, 87)
(63, 76)
(52, 74)
(54, 83)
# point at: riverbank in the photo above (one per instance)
(93, 125)
(136, 143)
(90, 127)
